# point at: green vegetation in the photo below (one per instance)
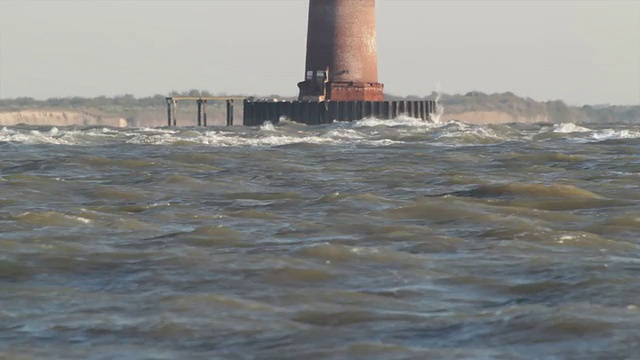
(130, 107)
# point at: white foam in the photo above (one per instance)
(108, 131)
(397, 122)
(153, 139)
(586, 135)
(55, 136)
(267, 126)
(79, 219)
(370, 132)
(567, 128)
(333, 137)
(346, 134)
(459, 130)
(156, 130)
(610, 134)
(36, 137)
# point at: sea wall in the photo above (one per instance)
(58, 118)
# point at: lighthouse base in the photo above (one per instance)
(353, 91)
(317, 89)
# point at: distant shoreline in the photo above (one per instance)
(123, 111)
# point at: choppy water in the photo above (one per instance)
(371, 240)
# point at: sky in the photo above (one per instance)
(581, 52)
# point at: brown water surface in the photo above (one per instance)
(370, 240)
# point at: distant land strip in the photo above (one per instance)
(127, 110)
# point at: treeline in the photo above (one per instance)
(108, 104)
(128, 105)
(611, 114)
(77, 102)
(512, 104)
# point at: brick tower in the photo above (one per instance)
(342, 55)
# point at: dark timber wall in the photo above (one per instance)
(316, 113)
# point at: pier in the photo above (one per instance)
(201, 101)
(256, 113)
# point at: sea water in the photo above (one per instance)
(376, 239)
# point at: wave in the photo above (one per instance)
(51, 218)
(553, 197)
(583, 134)
(367, 132)
(528, 190)
(334, 253)
(56, 136)
(567, 128)
(469, 134)
(401, 121)
(610, 134)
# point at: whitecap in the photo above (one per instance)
(567, 128)
(403, 120)
(263, 139)
(156, 130)
(267, 126)
(470, 132)
(347, 134)
(610, 134)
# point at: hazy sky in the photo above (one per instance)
(583, 52)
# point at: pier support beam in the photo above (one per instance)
(173, 112)
(204, 113)
(199, 112)
(169, 111)
(201, 101)
(230, 107)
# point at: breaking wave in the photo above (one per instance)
(367, 132)
(585, 134)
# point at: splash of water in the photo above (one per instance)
(267, 126)
(435, 117)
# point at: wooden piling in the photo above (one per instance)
(168, 112)
(204, 113)
(385, 110)
(394, 110)
(230, 107)
(175, 104)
